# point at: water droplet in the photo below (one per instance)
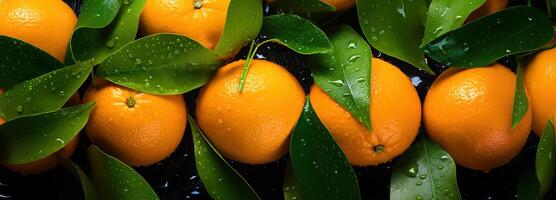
(412, 172)
(137, 61)
(354, 58)
(337, 83)
(419, 183)
(440, 167)
(19, 109)
(352, 45)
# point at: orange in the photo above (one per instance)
(340, 5)
(139, 129)
(49, 162)
(469, 113)
(395, 117)
(254, 126)
(540, 81)
(489, 7)
(200, 20)
(46, 24)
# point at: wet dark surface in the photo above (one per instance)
(176, 178)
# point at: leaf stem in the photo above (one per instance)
(252, 52)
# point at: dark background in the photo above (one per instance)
(176, 177)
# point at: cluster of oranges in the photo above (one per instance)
(466, 111)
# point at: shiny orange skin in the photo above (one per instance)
(489, 7)
(140, 135)
(46, 24)
(340, 5)
(469, 113)
(254, 126)
(540, 81)
(49, 162)
(395, 117)
(204, 25)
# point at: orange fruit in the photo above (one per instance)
(395, 117)
(540, 81)
(49, 162)
(200, 20)
(139, 129)
(46, 24)
(489, 7)
(469, 113)
(254, 126)
(340, 5)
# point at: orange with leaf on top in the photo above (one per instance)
(200, 20)
(139, 129)
(46, 24)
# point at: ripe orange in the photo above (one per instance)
(340, 5)
(49, 162)
(200, 20)
(395, 117)
(254, 126)
(489, 7)
(46, 24)
(540, 81)
(469, 113)
(139, 129)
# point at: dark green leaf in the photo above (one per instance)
(528, 186)
(345, 72)
(521, 104)
(20, 61)
(89, 191)
(34, 137)
(115, 180)
(160, 64)
(395, 28)
(243, 23)
(46, 93)
(296, 33)
(321, 168)
(290, 188)
(485, 40)
(425, 171)
(544, 162)
(103, 27)
(447, 15)
(218, 177)
(302, 6)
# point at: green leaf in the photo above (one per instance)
(20, 61)
(296, 33)
(528, 186)
(544, 162)
(290, 187)
(115, 180)
(395, 28)
(345, 72)
(321, 168)
(446, 15)
(160, 64)
(243, 23)
(34, 137)
(302, 6)
(425, 171)
(103, 27)
(46, 93)
(521, 103)
(89, 191)
(485, 40)
(218, 177)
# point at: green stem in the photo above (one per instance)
(250, 55)
(548, 7)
